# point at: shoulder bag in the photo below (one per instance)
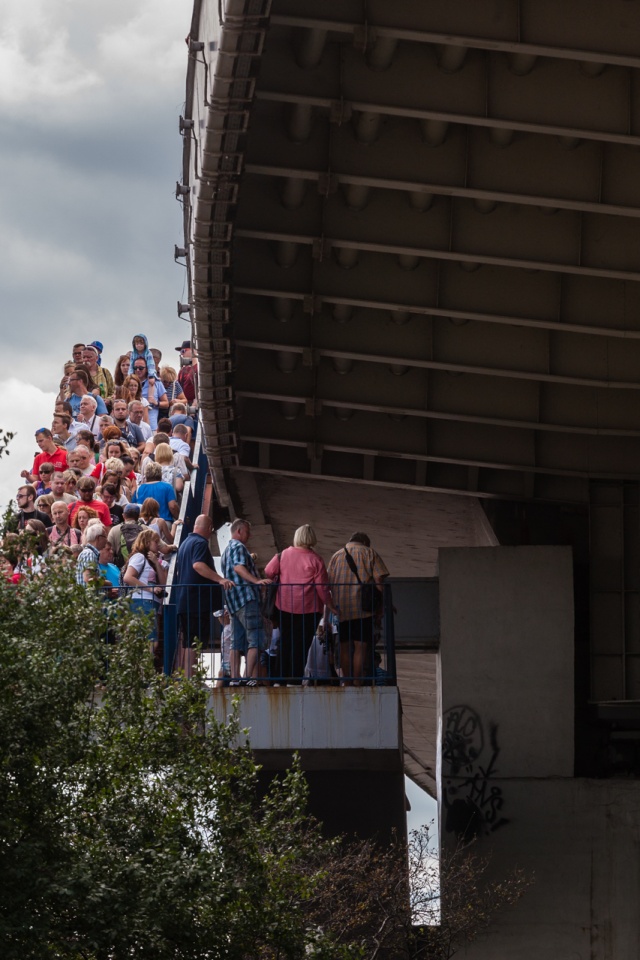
(370, 596)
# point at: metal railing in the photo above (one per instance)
(315, 648)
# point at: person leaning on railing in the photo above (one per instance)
(356, 625)
(302, 595)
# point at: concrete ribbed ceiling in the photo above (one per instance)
(427, 269)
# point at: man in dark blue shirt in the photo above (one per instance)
(198, 590)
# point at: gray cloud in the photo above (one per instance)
(87, 213)
(89, 154)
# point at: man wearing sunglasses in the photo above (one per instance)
(188, 376)
(152, 390)
(26, 500)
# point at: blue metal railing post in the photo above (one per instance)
(170, 637)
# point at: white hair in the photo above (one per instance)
(90, 397)
(94, 529)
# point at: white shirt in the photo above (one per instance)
(147, 432)
(179, 446)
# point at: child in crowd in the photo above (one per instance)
(141, 351)
(43, 483)
(224, 672)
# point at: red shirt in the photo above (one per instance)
(188, 379)
(58, 459)
(100, 508)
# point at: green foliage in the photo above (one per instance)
(129, 823)
(6, 436)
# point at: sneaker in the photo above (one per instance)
(235, 683)
(251, 683)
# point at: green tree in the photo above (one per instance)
(130, 825)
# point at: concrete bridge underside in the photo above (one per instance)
(414, 241)
(412, 237)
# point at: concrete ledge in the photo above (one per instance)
(352, 727)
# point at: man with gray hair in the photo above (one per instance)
(87, 569)
(81, 459)
(88, 414)
(136, 413)
(243, 602)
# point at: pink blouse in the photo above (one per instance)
(303, 580)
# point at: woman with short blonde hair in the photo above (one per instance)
(169, 379)
(302, 593)
(305, 536)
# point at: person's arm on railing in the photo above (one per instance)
(204, 571)
(243, 572)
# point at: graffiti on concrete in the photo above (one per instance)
(473, 803)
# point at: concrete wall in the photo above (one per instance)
(350, 746)
(506, 761)
(332, 720)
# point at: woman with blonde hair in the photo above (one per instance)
(169, 379)
(150, 515)
(170, 473)
(303, 592)
(146, 573)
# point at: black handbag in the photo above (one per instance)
(270, 594)
(370, 596)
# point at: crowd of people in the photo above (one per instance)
(104, 487)
(104, 491)
(298, 622)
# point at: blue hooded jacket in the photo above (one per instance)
(147, 356)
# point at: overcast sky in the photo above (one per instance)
(90, 95)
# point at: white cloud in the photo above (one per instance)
(90, 94)
(36, 62)
(53, 51)
(25, 408)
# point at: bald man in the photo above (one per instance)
(199, 591)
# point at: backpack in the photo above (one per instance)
(128, 534)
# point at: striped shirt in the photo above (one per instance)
(87, 560)
(344, 583)
(236, 554)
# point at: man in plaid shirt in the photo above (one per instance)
(356, 625)
(243, 602)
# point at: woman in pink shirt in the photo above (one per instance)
(302, 594)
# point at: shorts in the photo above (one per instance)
(248, 630)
